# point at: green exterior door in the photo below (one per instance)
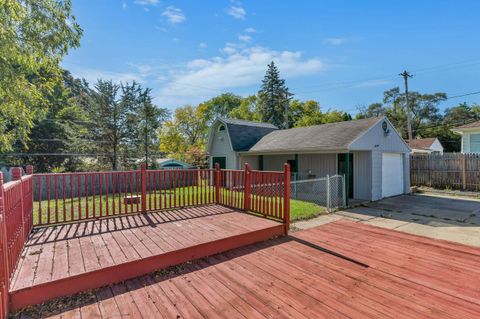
(342, 170)
(222, 160)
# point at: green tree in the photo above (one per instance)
(247, 110)
(185, 133)
(109, 117)
(305, 113)
(150, 117)
(273, 97)
(424, 109)
(34, 36)
(373, 110)
(62, 130)
(220, 106)
(453, 117)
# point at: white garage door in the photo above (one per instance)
(392, 174)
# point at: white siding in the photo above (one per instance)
(474, 143)
(465, 142)
(362, 175)
(436, 146)
(406, 173)
(376, 175)
(221, 147)
(375, 139)
(319, 164)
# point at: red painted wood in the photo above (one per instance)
(286, 197)
(290, 277)
(198, 238)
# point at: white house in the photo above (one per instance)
(430, 145)
(370, 152)
(470, 137)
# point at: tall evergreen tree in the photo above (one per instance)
(109, 118)
(273, 97)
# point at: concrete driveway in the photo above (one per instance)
(448, 218)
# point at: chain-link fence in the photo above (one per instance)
(327, 191)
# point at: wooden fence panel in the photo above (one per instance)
(446, 171)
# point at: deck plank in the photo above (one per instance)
(317, 273)
(101, 250)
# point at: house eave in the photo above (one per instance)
(297, 151)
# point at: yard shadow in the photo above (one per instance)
(421, 209)
(120, 223)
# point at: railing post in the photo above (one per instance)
(17, 176)
(286, 196)
(143, 176)
(4, 271)
(29, 169)
(246, 188)
(328, 192)
(217, 183)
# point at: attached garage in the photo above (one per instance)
(392, 174)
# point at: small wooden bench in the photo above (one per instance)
(132, 199)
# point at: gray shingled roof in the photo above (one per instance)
(244, 134)
(333, 136)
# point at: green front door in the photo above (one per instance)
(222, 160)
(342, 170)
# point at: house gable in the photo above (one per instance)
(375, 138)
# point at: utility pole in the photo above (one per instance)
(405, 76)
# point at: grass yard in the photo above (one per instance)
(71, 209)
(300, 210)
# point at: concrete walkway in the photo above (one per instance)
(453, 219)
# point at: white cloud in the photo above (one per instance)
(200, 79)
(174, 15)
(250, 30)
(146, 2)
(124, 5)
(93, 75)
(244, 38)
(202, 45)
(237, 12)
(335, 41)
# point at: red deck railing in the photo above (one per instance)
(49, 199)
(16, 205)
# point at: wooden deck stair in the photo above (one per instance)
(66, 259)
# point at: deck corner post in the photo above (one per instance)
(246, 188)
(29, 169)
(143, 175)
(217, 183)
(286, 197)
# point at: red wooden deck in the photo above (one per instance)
(338, 270)
(65, 259)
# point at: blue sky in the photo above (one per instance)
(342, 53)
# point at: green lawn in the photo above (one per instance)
(299, 210)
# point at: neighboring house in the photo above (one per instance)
(470, 137)
(426, 145)
(170, 163)
(371, 151)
